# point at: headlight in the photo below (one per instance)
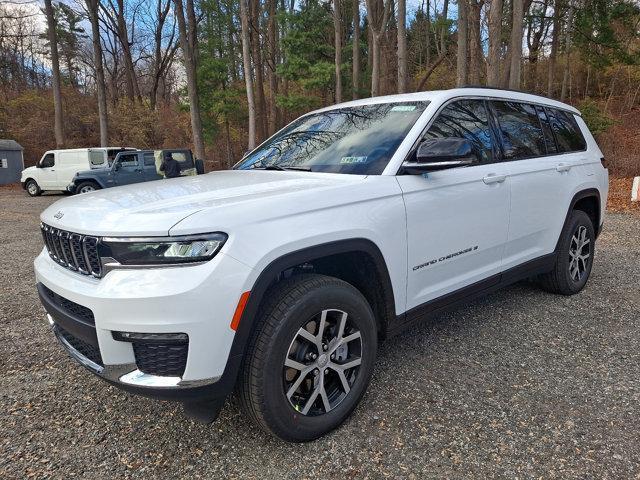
(161, 251)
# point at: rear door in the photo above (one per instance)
(457, 218)
(543, 175)
(149, 167)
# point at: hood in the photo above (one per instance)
(29, 169)
(153, 208)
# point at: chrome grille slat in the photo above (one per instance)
(74, 251)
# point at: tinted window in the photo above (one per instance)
(351, 140)
(522, 135)
(149, 160)
(568, 134)
(546, 129)
(465, 119)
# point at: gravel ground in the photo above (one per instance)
(518, 384)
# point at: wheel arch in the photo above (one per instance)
(78, 181)
(275, 270)
(587, 200)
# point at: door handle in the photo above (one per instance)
(563, 167)
(493, 178)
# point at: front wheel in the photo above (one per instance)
(32, 188)
(574, 257)
(86, 187)
(310, 359)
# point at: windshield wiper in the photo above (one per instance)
(282, 169)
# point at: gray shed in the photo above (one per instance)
(11, 161)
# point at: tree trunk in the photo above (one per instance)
(402, 46)
(272, 40)
(475, 48)
(258, 70)
(444, 31)
(337, 31)
(246, 62)
(567, 52)
(55, 74)
(188, 43)
(378, 12)
(92, 8)
(133, 90)
(555, 40)
(516, 45)
(495, 41)
(461, 63)
(355, 76)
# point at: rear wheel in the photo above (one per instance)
(310, 359)
(32, 188)
(575, 257)
(86, 187)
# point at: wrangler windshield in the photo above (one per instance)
(357, 140)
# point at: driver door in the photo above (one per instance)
(129, 169)
(47, 176)
(457, 219)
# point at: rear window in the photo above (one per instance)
(96, 157)
(567, 132)
(149, 160)
(522, 135)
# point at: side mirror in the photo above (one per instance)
(442, 153)
(199, 166)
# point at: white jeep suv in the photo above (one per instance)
(281, 276)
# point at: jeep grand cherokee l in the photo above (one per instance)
(281, 276)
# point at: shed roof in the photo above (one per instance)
(10, 145)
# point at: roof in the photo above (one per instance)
(10, 145)
(444, 95)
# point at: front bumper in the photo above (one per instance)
(198, 300)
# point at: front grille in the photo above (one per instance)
(87, 350)
(72, 308)
(163, 359)
(72, 250)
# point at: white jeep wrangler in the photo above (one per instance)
(281, 276)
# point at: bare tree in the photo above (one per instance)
(355, 76)
(515, 47)
(476, 56)
(567, 52)
(463, 34)
(93, 7)
(258, 70)
(272, 44)
(402, 46)
(162, 57)
(188, 43)
(246, 62)
(495, 42)
(378, 12)
(118, 23)
(555, 41)
(337, 30)
(55, 73)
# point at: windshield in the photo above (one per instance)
(357, 140)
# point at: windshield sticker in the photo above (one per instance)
(403, 108)
(353, 160)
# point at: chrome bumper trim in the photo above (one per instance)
(128, 373)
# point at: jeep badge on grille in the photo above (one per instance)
(59, 215)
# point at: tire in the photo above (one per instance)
(32, 188)
(86, 187)
(575, 257)
(265, 381)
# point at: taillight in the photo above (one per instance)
(603, 162)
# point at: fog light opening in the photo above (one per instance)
(165, 338)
